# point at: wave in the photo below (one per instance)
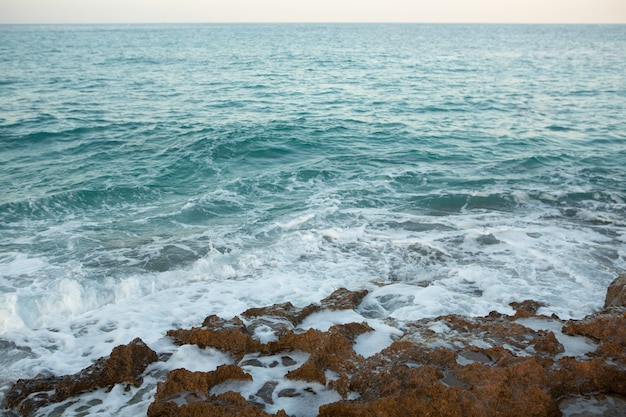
(74, 202)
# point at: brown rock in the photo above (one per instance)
(285, 311)
(443, 388)
(573, 377)
(187, 394)
(125, 365)
(546, 343)
(331, 350)
(229, 404)
(309, 371)
(526, 308)
(605, 327)
(616, 293)
(232, 339)
(215, 322)
(408, 378)
(615, 352)
(182, 380)
(341, 299)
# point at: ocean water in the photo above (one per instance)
(151, 175)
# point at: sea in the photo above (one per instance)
(152, 175)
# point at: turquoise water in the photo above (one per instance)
(154, 174)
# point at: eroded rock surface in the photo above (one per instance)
(498, 365)
(124, 366)
(187, 394)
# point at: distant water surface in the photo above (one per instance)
(151, 175)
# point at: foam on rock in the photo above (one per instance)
(520, 365)
(124, 366)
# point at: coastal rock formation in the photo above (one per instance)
(530, 377)
(192, 391)
(616, 294)
(341, 299)
(498, 365)
(124, 366)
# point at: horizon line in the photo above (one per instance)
(261, 22)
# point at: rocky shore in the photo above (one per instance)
(525, 364)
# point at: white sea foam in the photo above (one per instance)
(9, 316)
(414, 267)
(15, 264)
(297, 221)
(370, 343)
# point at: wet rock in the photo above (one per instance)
(266, 391)
(289, 392)
(492, 330)
(228, 336)
(593, 406)
(184, 381)
(285, 311)
(547, 343)
(187, 394)
(439, 386)
(125, 365)
(616, 293)
(489, 239)
(603, 327)
(252, 362)
(443, 366)
(229, 404)
(215, 322)
(341, 299)
(573, 377)
(526, 308)
(287, 361)
(309, 371)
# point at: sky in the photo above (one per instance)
(439, 11)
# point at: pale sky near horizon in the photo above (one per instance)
(440, 11)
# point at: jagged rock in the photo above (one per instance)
(490, 366)
(605, 327)
(526, 308)
(547, 343)
(125, 365)
(574, 377)
(228, 404)
(616, 293)
(216, 322)
(331, 350)
(182, 380)
(285, 311)
(229, 336)
(187, 394)
(409, 378)
(495, 329)
(341, 299)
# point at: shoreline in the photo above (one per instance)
(322, 355)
